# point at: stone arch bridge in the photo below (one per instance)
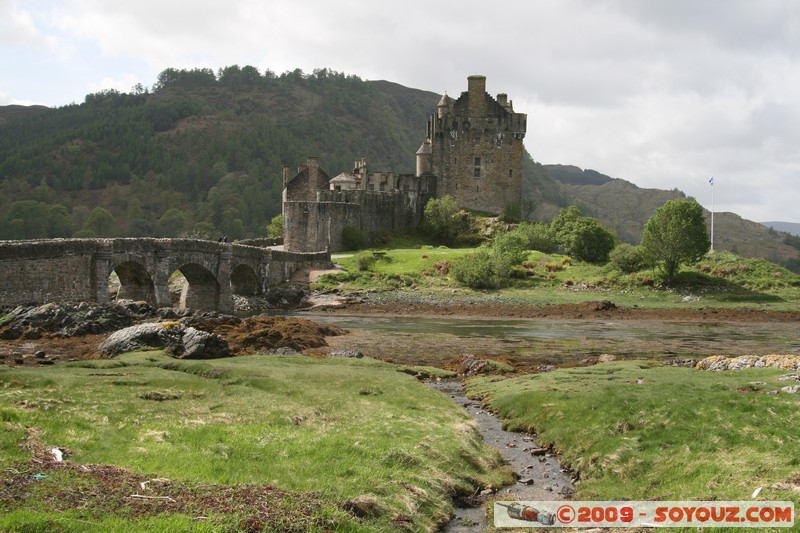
(41, 271)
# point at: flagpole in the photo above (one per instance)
(711, 181)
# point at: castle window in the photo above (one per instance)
(371, 187)
(383, 187)
(477, 167)
(510, 173)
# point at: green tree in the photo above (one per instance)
(676, 235)
(591, 241)
(275, 227)
(445, 221)
(584, 238)
(99, 222)
(172, 223)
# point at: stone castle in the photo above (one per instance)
(472, 152)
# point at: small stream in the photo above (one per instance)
(540, 476)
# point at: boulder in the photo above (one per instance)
(179, 340)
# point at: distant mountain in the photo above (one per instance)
(792, 228)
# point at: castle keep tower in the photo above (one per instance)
(474, 148)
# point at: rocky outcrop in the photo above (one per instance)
(72, 319)
(179, 340)
(721, 362)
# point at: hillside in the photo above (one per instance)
(626, 208)
(201, 154)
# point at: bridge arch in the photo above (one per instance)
(135, 282)
(202, 290)
(245, 281)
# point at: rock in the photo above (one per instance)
(180, 341)
(537, 451)
(199, 344)
(793, 389)
(284, 350)
(526, 481)
(721, 362)
(40, 354)
(346, 353)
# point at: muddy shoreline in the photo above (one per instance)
(598, 309)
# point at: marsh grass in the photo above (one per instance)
(296, 423)
(645, 431)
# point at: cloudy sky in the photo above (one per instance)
(662, 93)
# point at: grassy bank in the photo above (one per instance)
(719, 280)
(326, 431)
(638, 430)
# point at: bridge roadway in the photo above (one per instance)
(41, 271)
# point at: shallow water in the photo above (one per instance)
(539, 477)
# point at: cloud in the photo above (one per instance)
(18, 29)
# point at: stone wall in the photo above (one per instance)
(318, 225)
(34, 272)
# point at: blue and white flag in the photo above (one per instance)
(711, 181)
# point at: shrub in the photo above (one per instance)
(353, 238)
(446, 222)
(538, 237)
(476, 270)
(627, 258)
(512, 246)
(511, 213)
(553, 266)
(365, 261)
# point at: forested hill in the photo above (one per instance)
(201, 153)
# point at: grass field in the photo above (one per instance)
(720, 280)
(639, 431)
(344, 430)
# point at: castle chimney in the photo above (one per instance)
(502, 99)
(477, 96)
(285, 175)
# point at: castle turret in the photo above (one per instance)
(424, 159)
(444, 105)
